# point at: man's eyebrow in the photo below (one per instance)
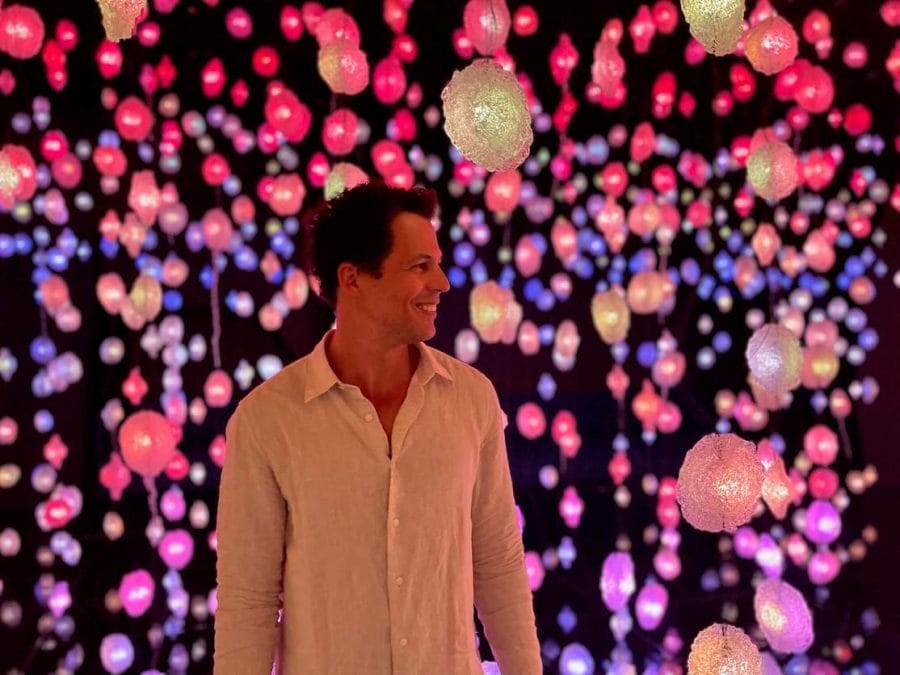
(422, 256)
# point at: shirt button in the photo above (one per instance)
(399, 581)
(403, 642)
(369, 417)
(396, 522)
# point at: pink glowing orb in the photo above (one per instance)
(771, 45)
(719, 483)
(136, 592)
(487, 24)
(531, 421)
(147, 443)
(344, 67)
(651, 605)
(21, 31)
(721, 648)
(783, 616)
(176, 549)
(218, 389)
(617, 580)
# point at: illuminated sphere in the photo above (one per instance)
(344, 67)
(772, 170)
(136, 592)
(339, 131)
(388, 80)
(146, 297)
(719, 483)
(288, 193)
(54, 294)
(134, 120)
(501, 194)
(823, 522)
(486, 116)
(716, 24)
(721, 649)
(775, 358)
(116, 653)
(488, 307)
(646, 292)
(777, 489)
(820, 366)
(21, 31)
(611, 316)
(783, 616)
(487, 24)
(815, 90)
(217, 389)
(217, 229)
(820, 444)
(120, 17)
(147, 443)
(617, 580)
(336, 24)
(531, 421)
(771, 45)
(9, 180)
(650, 607)
(343, 176)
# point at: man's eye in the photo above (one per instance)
(423, 265)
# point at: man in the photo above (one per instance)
(368, 483)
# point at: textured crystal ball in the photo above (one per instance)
(719, 483)
(716, 24)
(783, 616)
(611, 316)
(772, 170)
(486, 116)
(775, 358)
(721, 649)
(771, 45)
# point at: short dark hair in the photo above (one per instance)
(355, 227)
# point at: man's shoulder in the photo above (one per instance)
(287, 386)
(463, 374)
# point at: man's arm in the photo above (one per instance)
(250, 531)
(502, 595)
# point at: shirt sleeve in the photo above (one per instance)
(250, 534)
(502, 595)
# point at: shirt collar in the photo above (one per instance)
(320, 377)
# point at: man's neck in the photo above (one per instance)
(380, 371)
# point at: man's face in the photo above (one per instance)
(411, 277)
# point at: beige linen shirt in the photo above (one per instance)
(378, 556)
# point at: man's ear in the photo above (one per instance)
(348, 277)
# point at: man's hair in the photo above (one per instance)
(354, 227)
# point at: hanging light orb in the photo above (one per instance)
(486, 116)
(343, 176)
(344, 67)
(772, 170)
(721, 649)
(611, 316)
(120, 17)
(719, 483)
(647, 291)
(492, 310)
(775, 358)
(783, 616)
(771, 45)
(617, 580)
(487, 24)
(716, 24)
(777, 489)
(21, 31)
(147, 443)
(146, 296)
